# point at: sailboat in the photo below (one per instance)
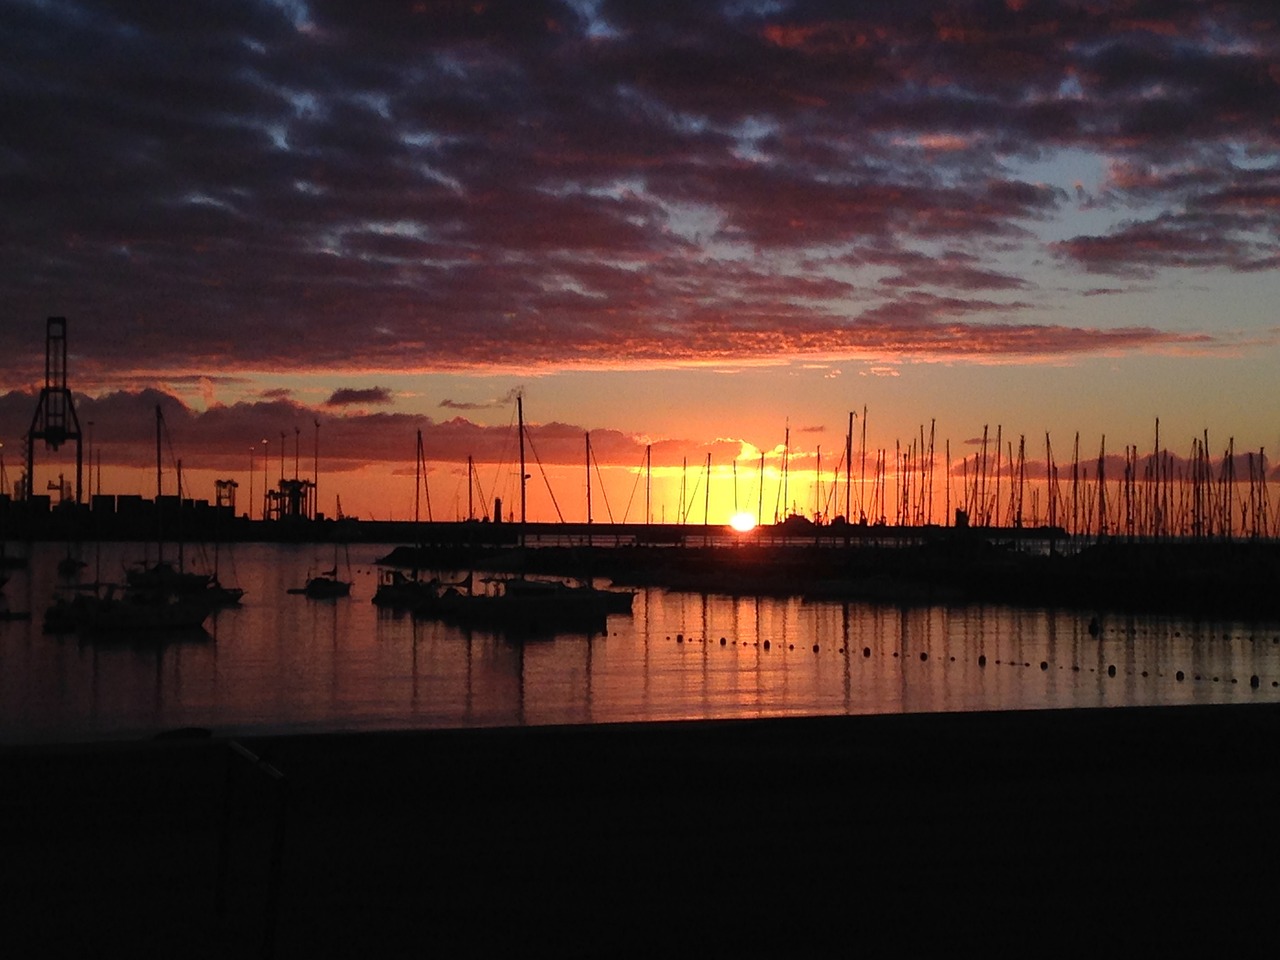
(156, 598)
(398, 590)
(163, 575)
(326, 585)
(520, 606)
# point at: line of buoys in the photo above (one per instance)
(1255, 681)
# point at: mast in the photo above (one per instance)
(684, 471)
(735, 485)
(848, 472)
(862, 470)
(159, 513)
(523, 475)
(947, 479)
(648, 481)
(817, 487)
(417, 479)
(760, 493)
(786, 471)
(706, 501)
(588, 438)
(471, 512)
(315, 475)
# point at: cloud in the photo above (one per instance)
(350, 397)
(495, 404)
(241, 186)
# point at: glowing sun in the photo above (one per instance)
(742, 522)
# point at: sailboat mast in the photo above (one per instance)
(862, 469)
(417, 479)
(786, 471)
(471, 468)
(706, 494)
(159, 490)
(181, 553)
(760, 493)
(523, 475)
(648, 482)
(848, 471)
(315, 474)
(588, 438)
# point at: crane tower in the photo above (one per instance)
(55, 421)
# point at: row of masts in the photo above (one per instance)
(1148, 494)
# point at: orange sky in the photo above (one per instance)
(687, 228)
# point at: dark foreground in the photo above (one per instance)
(793, 837)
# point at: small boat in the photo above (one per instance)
(326, 586)
(398, 591)
(522, 606)
(163, 575)
(129, 610)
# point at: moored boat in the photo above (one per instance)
(398, 591)
(131, 609)
(522, 606)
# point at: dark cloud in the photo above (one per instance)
(350, 397)
(505, 401)
(251, 185)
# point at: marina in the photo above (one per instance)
(284, 663)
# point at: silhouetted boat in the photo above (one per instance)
(131, 609)
(531, 607)
(326, 586)
(163, 575)
(398, 591)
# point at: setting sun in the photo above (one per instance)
(742, 522)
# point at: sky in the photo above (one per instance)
(684, 228)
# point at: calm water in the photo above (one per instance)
(286, 663)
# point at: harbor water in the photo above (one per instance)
(284, 663)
